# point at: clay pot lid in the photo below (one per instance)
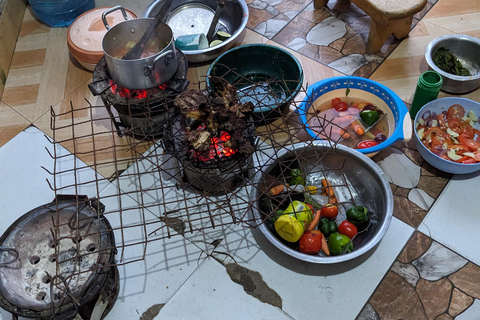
(85, 35)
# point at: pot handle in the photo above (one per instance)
(104, 15)
(147, 70)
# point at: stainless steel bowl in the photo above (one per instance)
(233, 19)
(467, 49)
(367, 186)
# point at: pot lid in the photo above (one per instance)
(87, 31)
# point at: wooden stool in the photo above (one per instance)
(388, 17)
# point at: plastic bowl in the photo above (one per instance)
(367, 186)
(400, 125)
(266, 75)
(439, 106)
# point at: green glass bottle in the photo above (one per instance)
(428, 87)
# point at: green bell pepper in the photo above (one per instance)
(339, 244)
(358, 216)
(327, 226)
(369, 117)
(296, 177)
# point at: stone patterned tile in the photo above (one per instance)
(429, 281)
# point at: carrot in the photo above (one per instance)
(278, 189)
(357, 128)
(329, 191)
(325, 245)
(341, 132)
(314, 222)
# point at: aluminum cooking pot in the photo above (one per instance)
(159, 59)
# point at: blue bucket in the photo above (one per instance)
(339, 87)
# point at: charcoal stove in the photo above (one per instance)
(219, 170)
(57, 261)
(141, 113)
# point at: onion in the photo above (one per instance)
(380, 137)
(439, 150)
(426, 115)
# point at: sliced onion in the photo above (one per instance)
(426, 115)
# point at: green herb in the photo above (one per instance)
(348, 91)
(448, 62)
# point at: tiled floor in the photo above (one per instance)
(426, 267)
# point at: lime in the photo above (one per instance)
(289, 228)
(215, 42)
(222, 35)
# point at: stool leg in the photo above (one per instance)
(401, 28)
(377, 37)
(319, 4)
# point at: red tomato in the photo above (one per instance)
(310, 242)
(329, 211)
(455, 111)
(470, 143)
(348, 229)
(339, 105)
(366, 144)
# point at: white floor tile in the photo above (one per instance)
(454, 218)
(211, 294)
(23, 184)
(333, 287)
(163, 264)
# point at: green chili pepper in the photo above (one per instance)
(327, 226)
(369, 117)
(339, 244)
(296, 177)
(358, 216)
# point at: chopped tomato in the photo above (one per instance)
(367, 144)
(455, 111)
(473, 145)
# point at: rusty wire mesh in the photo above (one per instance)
(145, 191)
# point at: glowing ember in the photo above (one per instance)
(217, 149)
(132, 93)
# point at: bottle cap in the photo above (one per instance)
(431, 79)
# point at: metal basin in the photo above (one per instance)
(233, 20)
(357, 180)
(466, 48)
